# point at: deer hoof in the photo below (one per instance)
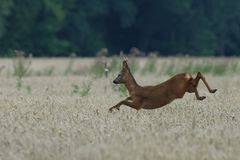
(201, 98)
(111, 109)
(213, 91)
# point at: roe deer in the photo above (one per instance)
(151, 97)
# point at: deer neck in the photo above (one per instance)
(131, 83)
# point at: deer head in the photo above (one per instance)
(123, 74)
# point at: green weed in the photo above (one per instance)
(220, 69)
(48, 71)
(97, 69)
(133, 65)
(69, 68)
(115, 65)
(21, 67)
(149, 67)
(120, 88)
(83, 90)
(194, 68)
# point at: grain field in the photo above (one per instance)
(57, 116)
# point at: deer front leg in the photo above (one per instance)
(129, 98)
(119, 104)
(127, 103)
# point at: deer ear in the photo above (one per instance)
(125, 65)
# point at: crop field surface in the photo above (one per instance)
(57, 109)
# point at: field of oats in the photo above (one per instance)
(57, 109)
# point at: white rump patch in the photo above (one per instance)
(187, 76)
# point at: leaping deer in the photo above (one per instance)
(151, 97)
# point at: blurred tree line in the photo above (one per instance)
(58, 27)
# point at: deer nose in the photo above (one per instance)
(114, 81)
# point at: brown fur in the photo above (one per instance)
(151, 97)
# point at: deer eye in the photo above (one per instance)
(120, 74)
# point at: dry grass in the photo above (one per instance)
(52, 123)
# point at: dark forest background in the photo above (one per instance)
(60, 27)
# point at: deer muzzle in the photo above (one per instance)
(115, 82)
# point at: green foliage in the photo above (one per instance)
(29, 89)
(21, 65)
(48, 71)
(21, 69)
(207, 66)
(169, 69)
(220, 69)
(19, 84)
(5, 11)
(234, 67)
(69, 68)
(57, 28)
(97, 69)
(121, 89)
(1, 69)
(150, 66)
(194, 68)
(115, 65)
(133, 65)
(83, 90)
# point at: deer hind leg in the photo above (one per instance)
(194, 84)
(200, 76)
(197, 95)
(192, 88)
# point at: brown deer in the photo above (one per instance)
(151, 97)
